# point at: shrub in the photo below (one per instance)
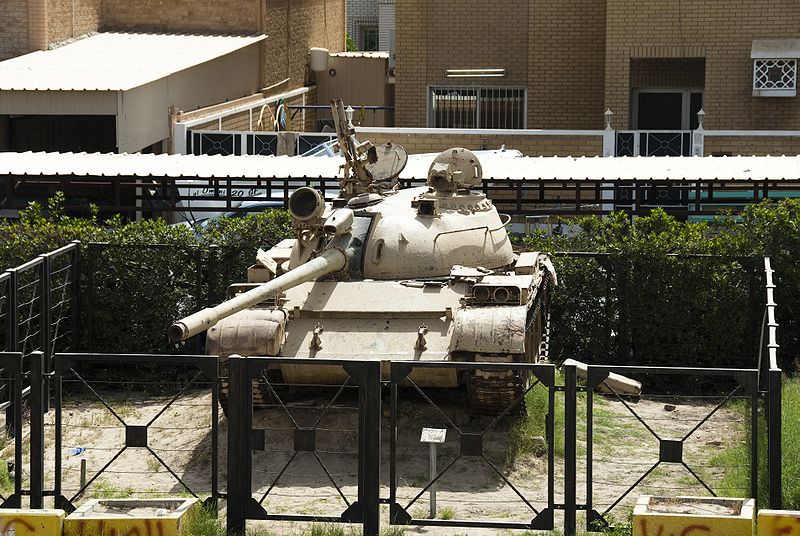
(645, 303)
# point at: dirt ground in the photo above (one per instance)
(471, 488)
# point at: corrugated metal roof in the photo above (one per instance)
(496, 166)
(115, 61)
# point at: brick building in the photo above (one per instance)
(516, 64)
(362, 23)
(279, 63)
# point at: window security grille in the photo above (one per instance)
(775, 78)
(477, 107)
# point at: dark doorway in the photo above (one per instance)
(666, 109)
(63, 133)
(660, 111)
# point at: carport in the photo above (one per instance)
(114, 91)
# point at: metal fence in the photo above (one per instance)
(481, 444)
(531, 197)
(133, 411)
(237, 143)
(132, 399)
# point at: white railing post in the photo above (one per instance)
(179, 138)
(609, 142)
(609, 135)
(699, 135)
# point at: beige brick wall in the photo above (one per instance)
(566, 75)
(72, 18)
(528, 145)
(13, 28)
(240, 121)
(668, 73)
(553, 48)
(294, 26)
(748, 146)
(457, 33)
(412, 60)
(584, 57)
(182, 16)
(722, 32)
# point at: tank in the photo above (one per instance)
(388, 273)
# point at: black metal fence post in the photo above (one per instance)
(369, 395)
(240, 405)
(37, 429)
(774, 455)
(45, 326)
(92, 252)
(12, 345)
(197, 259)
(570, 448)
(58, 401)
(75, 310)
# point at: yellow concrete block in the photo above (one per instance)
(131, 517)
(693, 516)
(21, 522)
(778, 523)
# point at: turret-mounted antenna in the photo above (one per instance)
(367, 168)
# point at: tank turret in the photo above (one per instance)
(388, 273)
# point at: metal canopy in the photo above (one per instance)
(115, 61)
(497, 166)
(135, 77)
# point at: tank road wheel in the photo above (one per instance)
(490, 393)
(262, 396)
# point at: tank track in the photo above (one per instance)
(491, 393)
(262, 397)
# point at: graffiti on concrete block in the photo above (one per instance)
(17, 526)
(141, 527)
(657, 529)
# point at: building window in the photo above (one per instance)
(775, 78)
(370, 38)
(477, 107)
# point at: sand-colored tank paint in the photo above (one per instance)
(391, 274)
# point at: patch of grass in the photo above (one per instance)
(6, 482)
(790, 427)
(153, 465)
(447, 513)
(527, 427)
(736, 458)
(205, 522)
(103, 489)
(331, 530)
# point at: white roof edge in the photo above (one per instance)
(788, 48)
(496, 167)
(117, 61)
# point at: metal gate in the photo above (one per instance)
(468, 441)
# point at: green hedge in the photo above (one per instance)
(138, 277)
(643, 302)
(674, 293)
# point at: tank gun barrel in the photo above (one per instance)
(332, 260)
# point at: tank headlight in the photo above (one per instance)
(501, 295)
(306, 204)
(481, 294)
